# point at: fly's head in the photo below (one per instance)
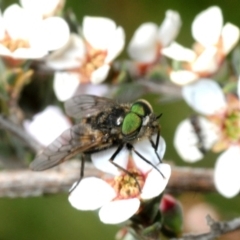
(139, 122)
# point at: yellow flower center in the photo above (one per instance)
(228, 122)
(93, 60)
(13, 44)
(231, 126)
(128, 186)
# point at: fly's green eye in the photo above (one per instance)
(142, 108)
(131, 123)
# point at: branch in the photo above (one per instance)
(216, 229)
(191, 179)
(6, 124)
(25, 183)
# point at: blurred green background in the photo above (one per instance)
(52, 217)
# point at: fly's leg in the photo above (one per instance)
(120, 147)
(155, 145)
(81, 173)
(130, 147)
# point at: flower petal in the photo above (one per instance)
(54, 33)
(204, 96)
(145, 148)
(21, 23)
(226, 174)
(101, 160)
(191, 144)
(69, 56)
(186, 142)
(31, 53)
(98, 31)
(183, 77)
(161, 147)
(116, 45)
(43, 127)
(65, 84)
(119, 211)
(150, 188)
(100, 74)
(209, 132)
(179, 53)
(43, 7)
(143, 45)
(230, 37)
(91, 193)
(169, 28)
(5, 51)
(207, 26)
(206, 61)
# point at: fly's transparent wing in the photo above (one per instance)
(87, 105)
(79, 138)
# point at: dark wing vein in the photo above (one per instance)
(71, 142)
(86, 105)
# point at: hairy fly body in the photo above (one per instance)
(104, 123)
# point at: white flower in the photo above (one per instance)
(149, 39)
(220, 131)
(205, 96)
(47, 125)
(193, 137)
(226, 173)
(118, 197)
(213, 42)
(26, 35)
(196, 135)
(87, 58)
(45, 8)
(66, 84)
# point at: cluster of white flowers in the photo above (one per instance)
(119, 196)
(213, 42)
(26, 34)
(86, 58)
(35, 30)
(219, 130)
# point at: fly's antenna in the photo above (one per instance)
(159, 116)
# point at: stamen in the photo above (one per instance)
(128, 187)
(228, 122)
(93, 60)
(232, 125)
(13, 44)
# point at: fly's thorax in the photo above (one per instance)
(111, 118)
(138, 121)
(126, 122)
